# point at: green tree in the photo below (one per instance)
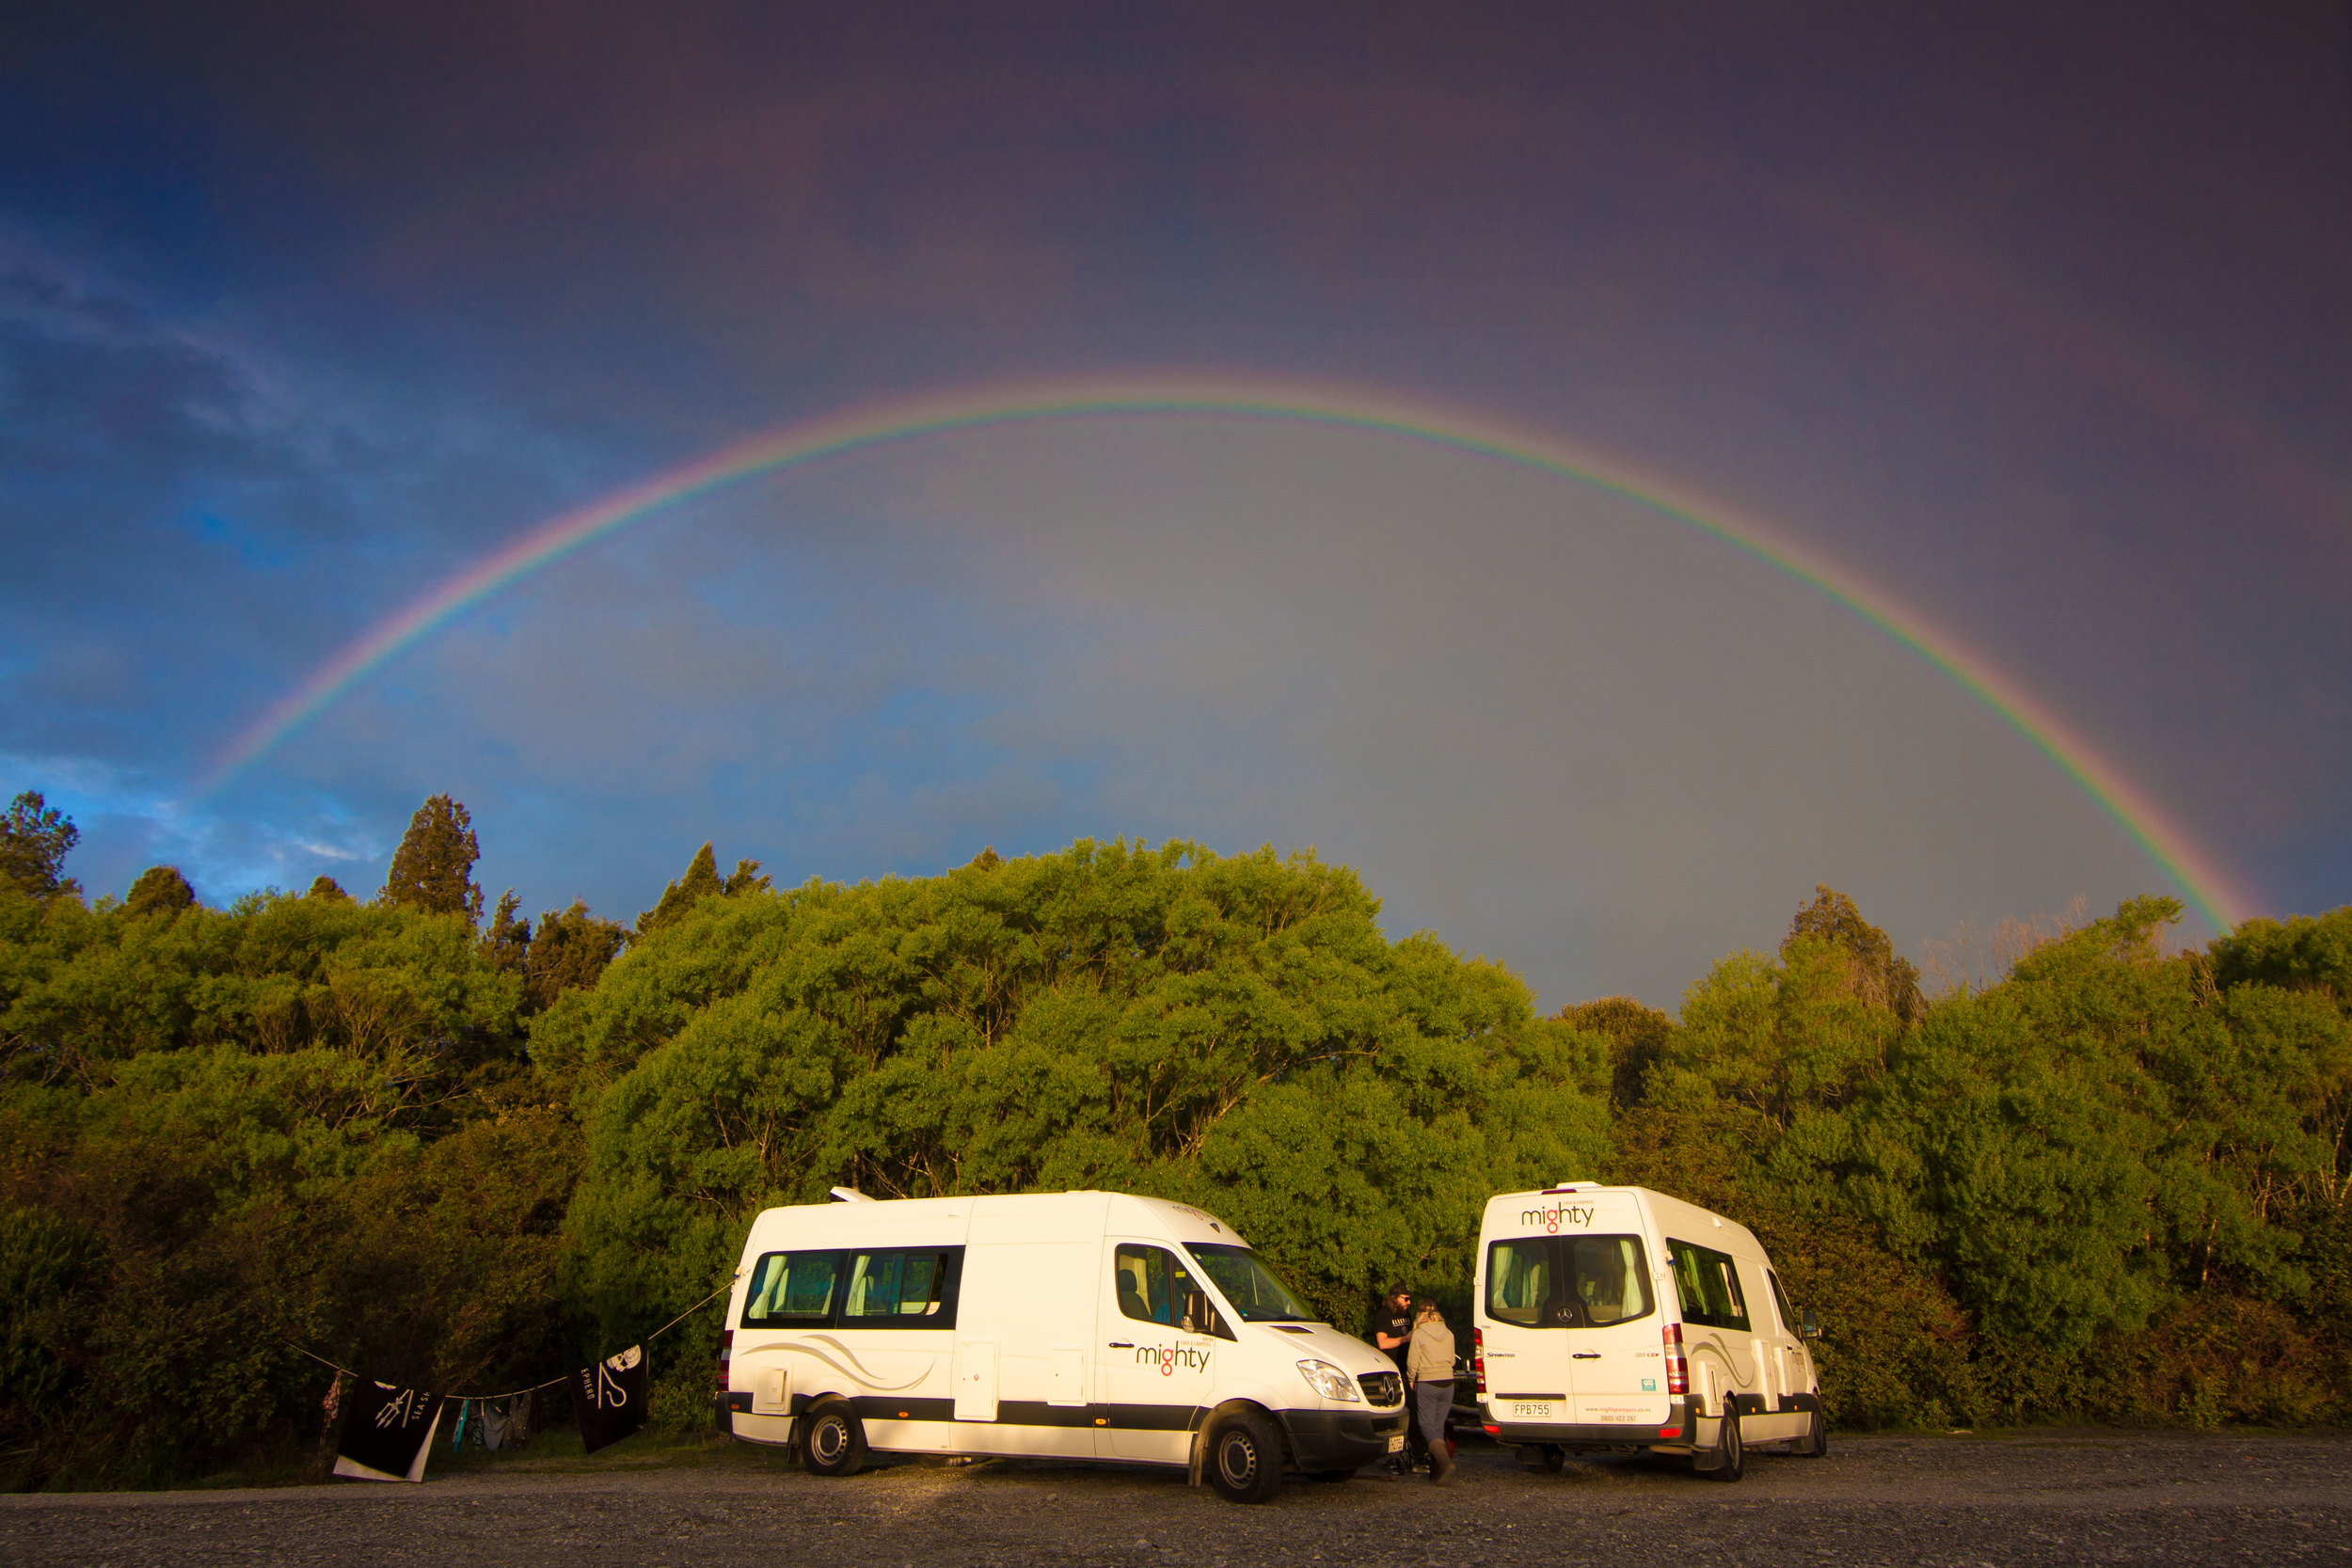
(327, 888)
(507, 942)
(160, 890)
(701, 881)
(1873, 971)
(569, 952)
(35, 838)
(433, 868)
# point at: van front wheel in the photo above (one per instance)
(1245, 1458)
(833, 1440)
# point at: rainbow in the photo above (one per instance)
(2200, 878)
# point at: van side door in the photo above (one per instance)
(1717, 1331)
(1158, 1349)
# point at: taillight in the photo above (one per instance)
(1678, 1367)
(726, 1352)
(1478, 1359)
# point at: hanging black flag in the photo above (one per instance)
(387, 1432)
(610, 1397)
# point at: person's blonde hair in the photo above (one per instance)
(1429, 1309)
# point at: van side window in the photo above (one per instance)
(1609, 1276)
(791, 1290)
(1780, 1301)
(1519, 1281)
(1155, 1288)
(904, 1287)
(1708, 1283)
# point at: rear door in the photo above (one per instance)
(1525, 1310)
(1617, 1356)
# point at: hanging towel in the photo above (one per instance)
(458, 1438)
(493, 1425)
(518, 1420)
(387, 1432)
(609, 1399)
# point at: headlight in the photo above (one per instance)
(1328, 1381)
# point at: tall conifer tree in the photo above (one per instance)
(433, 869)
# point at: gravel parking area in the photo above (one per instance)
(2026, 1497)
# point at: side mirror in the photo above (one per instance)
(1807, 1327)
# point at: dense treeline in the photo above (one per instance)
(467, 1152)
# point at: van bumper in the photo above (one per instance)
(1338, 1440)
(1676, 1431)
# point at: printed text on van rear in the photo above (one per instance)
(1553, 1218)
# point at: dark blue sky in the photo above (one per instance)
(2034, 317)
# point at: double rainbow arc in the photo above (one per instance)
(2200, 878)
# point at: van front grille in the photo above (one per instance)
(1383, 1387)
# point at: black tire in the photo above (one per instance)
(1348, 1474)
(1815, 1443)
(832, 1439)
(1555, 1459)
(1731, 1454)
(1245, 1462)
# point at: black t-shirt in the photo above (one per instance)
(1397, 1324)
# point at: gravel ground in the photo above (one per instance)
(2026, 1497)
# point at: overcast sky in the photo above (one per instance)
(2033, 318)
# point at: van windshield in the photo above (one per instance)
(1249, 1285)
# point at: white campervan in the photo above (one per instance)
(1620, 1317)
(1082, 1325)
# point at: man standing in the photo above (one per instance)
(1392, 1331)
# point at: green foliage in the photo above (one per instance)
(35, 838)
(1231, 1031)
(2113, 1185)
(160, 890)
(701, 881)
(433, 868)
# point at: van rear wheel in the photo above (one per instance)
(833, 1440)
(1815, 1443)
(1244, 1457)
(1731, 1455)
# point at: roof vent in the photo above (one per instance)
(1573, 1187)
(850, 1195)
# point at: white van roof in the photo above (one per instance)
(999, 1216)
(1682, 1222)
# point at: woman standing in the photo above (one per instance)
(1430, 1363)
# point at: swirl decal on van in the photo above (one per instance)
(854, 1369)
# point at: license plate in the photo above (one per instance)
(1396, 1444)
(1524, 1410)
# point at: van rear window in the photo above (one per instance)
(1568, 1281)
(1707, 1282)
(791, 1290)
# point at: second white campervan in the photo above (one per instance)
(1082, 1325)
(1618, 1318)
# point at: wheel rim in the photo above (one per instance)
(1237, 1459)
(829, 1439)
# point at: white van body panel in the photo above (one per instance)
(1045, 1356)
(1574, 1343)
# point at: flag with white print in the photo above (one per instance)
(387, 1432)
(610, 1397)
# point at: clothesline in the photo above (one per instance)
(553, 1381)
